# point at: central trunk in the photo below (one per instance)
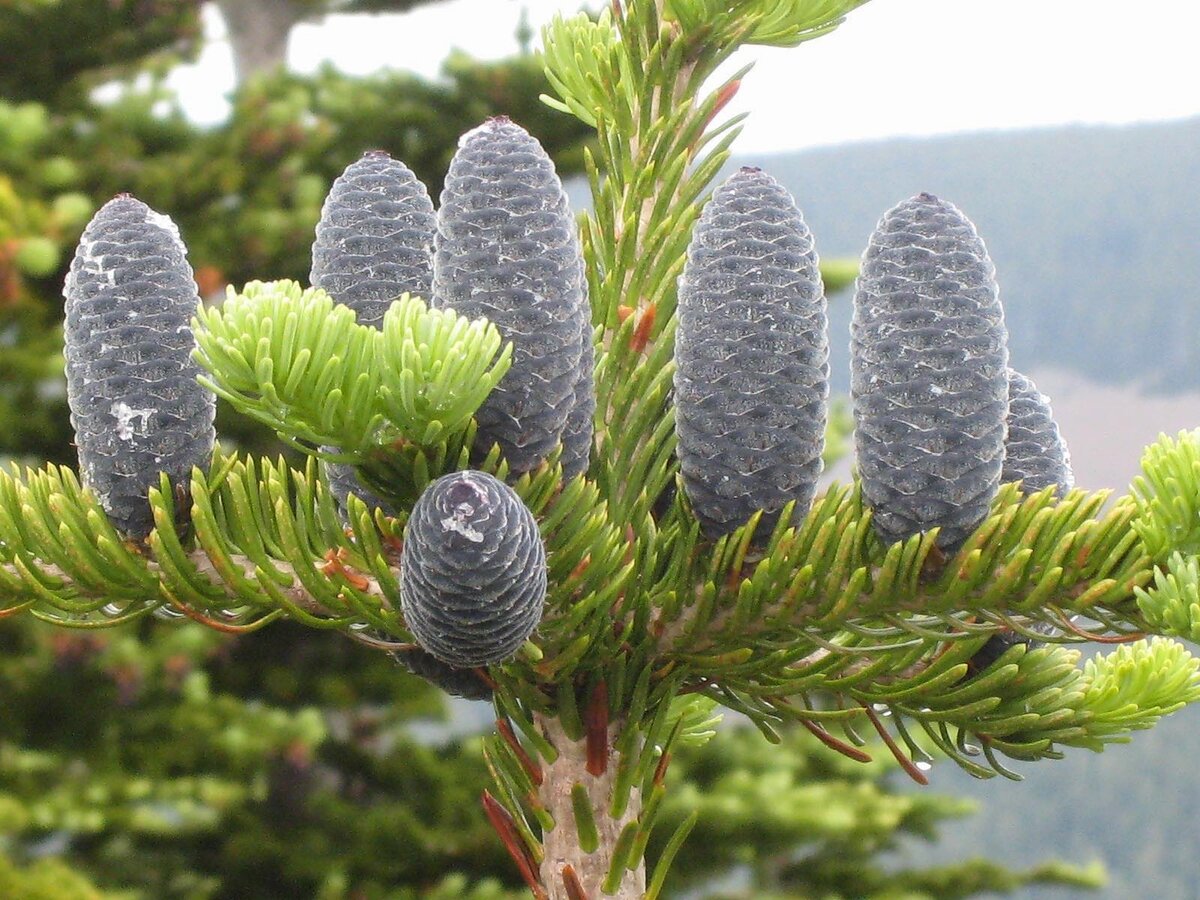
(568, 872)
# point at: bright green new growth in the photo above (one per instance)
(1168, 496)
(1134, 686)
(300, 363)
(771, 23)
(1172, 603)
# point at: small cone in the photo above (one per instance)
(473, 571)
(1035, 454)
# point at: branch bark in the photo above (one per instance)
(295, 593)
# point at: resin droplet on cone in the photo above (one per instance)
(507, 249)
(929, 376)
(751, 357)
(473, 572)
(1035, 453)
(136, 406)
(374, 243)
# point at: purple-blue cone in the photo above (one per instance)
(929, 374)
(375, 238)
(473, 572)
(751, 358)
(374, 242)
(136, 406)
(507, 249)
(464, 683)
(1035, 453)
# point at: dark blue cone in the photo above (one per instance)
(463, 683)
(929, 377)
(375, 237)
(1035, 453)
(136, 405)
(507, 248)
(473, 571)
(374, 243)
(751, 357)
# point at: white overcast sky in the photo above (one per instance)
(897, 67)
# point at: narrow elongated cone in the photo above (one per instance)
(507, 248)
(136, 405)
(463, 683)
(929, 377)
(374, 242)
(751, 358)
(577, 433)
(1035, 453)
(473, 571)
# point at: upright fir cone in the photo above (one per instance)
(929, 377)
(374, 242)
(473, 572)
(507, 249)
(136, 406)
(1035, 454)
(375, 237)
(751, 358)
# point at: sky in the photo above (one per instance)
(896, 67)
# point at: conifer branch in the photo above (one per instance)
(814, 616)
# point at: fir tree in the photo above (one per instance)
(648, 626)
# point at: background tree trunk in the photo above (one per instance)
(258, 32)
